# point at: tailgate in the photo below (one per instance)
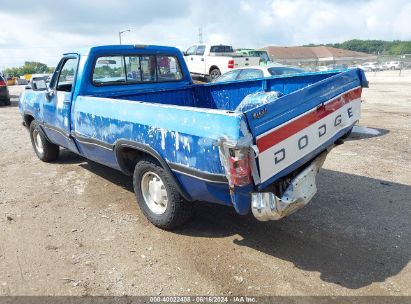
(294, 128)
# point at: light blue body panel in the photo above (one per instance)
(180, 135)
(183, 122)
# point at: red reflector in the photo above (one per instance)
(231, 64)
(2, 83)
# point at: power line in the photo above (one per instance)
(200, 35)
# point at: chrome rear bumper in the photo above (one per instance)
(267, 206)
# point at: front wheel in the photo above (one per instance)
(45, 150)
(158, 197)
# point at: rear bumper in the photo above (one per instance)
(267, 206)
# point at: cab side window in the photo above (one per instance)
(191, 50)
(67, 74)
(200, 50)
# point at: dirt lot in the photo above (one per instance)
(73, 227)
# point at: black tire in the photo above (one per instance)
(5, 102)
(214, 74)
(48, 151)
(177, 210)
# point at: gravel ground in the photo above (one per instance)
(73, 227)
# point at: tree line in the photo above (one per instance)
(29, 67)
(377, 47)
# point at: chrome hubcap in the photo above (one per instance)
(154, 192)
(37, 141)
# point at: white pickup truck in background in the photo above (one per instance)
(211, 61)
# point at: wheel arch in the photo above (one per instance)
(27, 119)
(128, 153)
(212, 68)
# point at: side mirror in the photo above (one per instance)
(39, 85)
(27, 87)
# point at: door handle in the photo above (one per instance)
(202, 59)
(49, 95)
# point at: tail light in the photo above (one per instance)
(239, 165)
(231, 64)
(2, 83)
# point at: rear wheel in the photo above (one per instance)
(158, 197)
(45, 150)
(214, 74)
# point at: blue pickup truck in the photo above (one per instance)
(255, 144)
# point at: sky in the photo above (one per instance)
(42, 30)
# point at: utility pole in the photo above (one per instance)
(120, 33)
(200, 35)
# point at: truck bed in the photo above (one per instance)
(224, 96)
(184, 124)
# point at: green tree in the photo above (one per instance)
(378, 47)
(29, 67)
(33, 67)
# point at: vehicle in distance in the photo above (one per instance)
(258, 72)
(4, 92)
(210, 61)
(337, 67)
(322, 68)
(264, 57)
(371, 67)
(393, 65)
(254, 145)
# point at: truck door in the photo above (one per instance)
(189, 57)
(57, 104)
(199, 63)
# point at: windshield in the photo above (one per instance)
(284, 71)
(229, 76)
